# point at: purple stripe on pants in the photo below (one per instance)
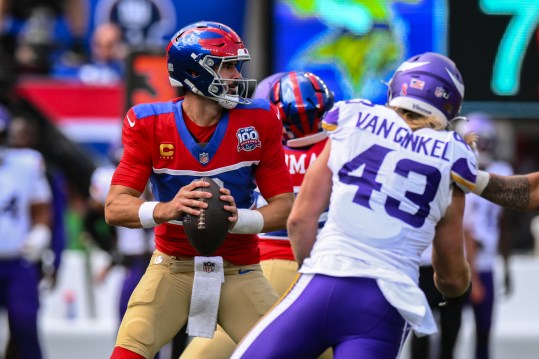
(349, 314)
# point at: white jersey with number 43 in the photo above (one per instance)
(391, 185)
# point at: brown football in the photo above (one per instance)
(207, 232)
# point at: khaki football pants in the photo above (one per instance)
(159, 305)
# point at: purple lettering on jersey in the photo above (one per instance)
(444, 154)
(423, 145)
(401, 134)
(372, 124)
(361, 120)
(385, 128)
(377, 127)
(410, 142)
(460, 139)
(420, 144)
(435, 147)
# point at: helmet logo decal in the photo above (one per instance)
(417, 84)
(441, 92)
(411, 65)
(404, 89)
(248, 139)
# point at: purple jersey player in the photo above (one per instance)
(25, 219)
(388, 174)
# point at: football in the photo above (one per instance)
(207, 231)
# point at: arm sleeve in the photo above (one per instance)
(136, 164)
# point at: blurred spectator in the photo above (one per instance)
(485, 233)
(24, 133)
(107, 58)
(146, 24)
(130, 248)
(25, 217)
(31, 33)
(449, 317)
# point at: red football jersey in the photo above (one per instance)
(244, 152)
(276, 245)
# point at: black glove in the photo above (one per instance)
(456, 300)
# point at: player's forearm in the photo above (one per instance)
(513, 191)
(276, 212)
(302, 232)
(123, 210)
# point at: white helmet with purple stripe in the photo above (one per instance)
(429, 84)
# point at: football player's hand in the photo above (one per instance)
(478, 292)
(227, 197)
(186, 201)
(37, 240)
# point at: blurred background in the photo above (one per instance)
(70, 69)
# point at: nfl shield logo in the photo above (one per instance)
(441, 92)
(208, 267)
(204, 158)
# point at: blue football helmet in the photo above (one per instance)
(195, 56)
(303, 99)
(429, 84)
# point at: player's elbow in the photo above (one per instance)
(109, 217)
(110, 214)
(297, 223)
(453, 283)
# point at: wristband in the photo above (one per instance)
(145, 214)
(249, 222)
(481, 182)
(456, 300)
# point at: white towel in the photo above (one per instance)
(209, 276)
(411, 303)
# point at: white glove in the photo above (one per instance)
(37, 240)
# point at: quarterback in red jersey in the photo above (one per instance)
(302, 99)
(214, 131)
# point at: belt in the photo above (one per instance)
(187, 264)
